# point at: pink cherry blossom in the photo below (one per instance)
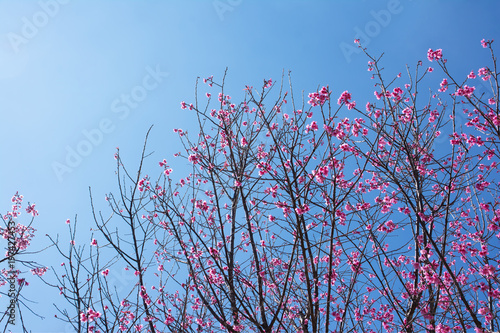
(443, 85)
(40, 271)
(465, 91)
(434, 55)
(319, 98)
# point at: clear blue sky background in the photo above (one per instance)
(64, 69)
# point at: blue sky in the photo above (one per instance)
(66, 68)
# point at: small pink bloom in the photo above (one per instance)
(485, 73)
(40, 271)
(465, 91)
(487, 270)
(300, 211)
(444, 85)
(31, 209)
(344, 98)
(193, 158)
(319, 98)
(485, 43)
(434, 55)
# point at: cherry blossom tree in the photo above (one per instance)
(306, 214)
(17, 262)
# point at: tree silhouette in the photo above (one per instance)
(307, 215)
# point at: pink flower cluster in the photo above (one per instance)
(17, 200)
(91, 315)
(185, 106)
(487, 271)
(486, 43)
(22, 233)
(321, 174)
(40, 271)
(371, 64)
(264, 168)
(485, 73)
(388, 227)
(302, 210)
(164, 165)
(180, 131)
(144, 184)
(31, 210)
(210, 80)
(345, 97)
(193, 158)
(144, 295)
(434, 55)
(319, 98)
(313, 126)
(465, 91)
(396, 94)
(443, 85)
